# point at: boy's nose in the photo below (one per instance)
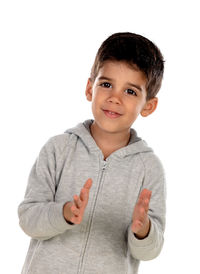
(114, 98)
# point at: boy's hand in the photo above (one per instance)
(140, 220)
(73, 211)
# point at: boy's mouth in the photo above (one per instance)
(111, 114)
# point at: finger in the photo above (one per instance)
(149, 194)
(139, 213)
(75, 210)
(88, 183)
(76, 220)
(140, 201)
(83, 195)
(141, 208)
(77, 201)
(142, 214)
(147, 201)
(145, 205)
(144, 195)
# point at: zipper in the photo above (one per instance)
(81, 262)
(104, 165)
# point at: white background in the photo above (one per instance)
(47, 49)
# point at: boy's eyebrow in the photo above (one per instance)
(131, 84)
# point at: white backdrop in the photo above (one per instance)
(47, 49)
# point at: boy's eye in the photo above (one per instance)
(130, 91)
(105, 84)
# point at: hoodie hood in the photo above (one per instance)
(135, 145)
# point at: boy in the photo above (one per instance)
(119, 217)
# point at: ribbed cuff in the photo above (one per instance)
(147, 248)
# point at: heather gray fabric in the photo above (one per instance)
(103, 243)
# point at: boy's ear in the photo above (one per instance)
(149, 107)
(88, 90)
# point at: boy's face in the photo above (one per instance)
(118, 88)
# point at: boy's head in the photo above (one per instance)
(125, 78)
(137, 51)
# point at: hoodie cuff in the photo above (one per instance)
(57, 219)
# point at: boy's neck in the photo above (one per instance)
(109, 142)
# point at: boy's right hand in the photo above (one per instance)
(73, 211)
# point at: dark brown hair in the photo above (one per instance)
(137, 51)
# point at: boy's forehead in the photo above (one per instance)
(114, 68)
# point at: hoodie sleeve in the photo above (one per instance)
(40, 217)
(154, 180)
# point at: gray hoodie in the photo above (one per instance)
(103, 243)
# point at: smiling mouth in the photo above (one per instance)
(111, 114)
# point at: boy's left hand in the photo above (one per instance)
(140, 220)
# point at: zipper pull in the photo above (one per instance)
(104, 165)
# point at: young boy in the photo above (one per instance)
(119, 217)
